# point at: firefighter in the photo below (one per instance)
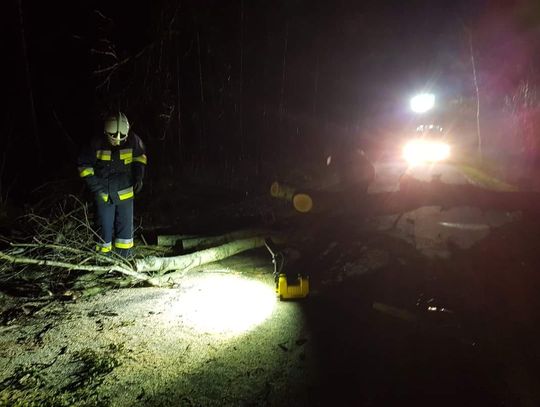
(113, 167)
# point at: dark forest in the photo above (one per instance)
(257, 202)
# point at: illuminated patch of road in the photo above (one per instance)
(223, 303)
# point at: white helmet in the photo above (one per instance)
(116, 128)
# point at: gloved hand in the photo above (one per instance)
(138, 186)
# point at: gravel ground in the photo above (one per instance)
(220, 338)
(383, 326)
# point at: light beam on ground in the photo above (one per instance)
(224, 303)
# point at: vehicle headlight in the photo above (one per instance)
(422, 151)
(422, 103)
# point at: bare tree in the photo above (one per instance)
(477, 91)
(284, 74)
(30, 91)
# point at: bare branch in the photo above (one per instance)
(70, 266)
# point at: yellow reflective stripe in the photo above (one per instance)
(104, 155)
(104, 247)
(128, 160)
(123, 243)
(104, 196)
(86, 171)
(123, 197)
(126, 153)
(140, 159)
(126, 193)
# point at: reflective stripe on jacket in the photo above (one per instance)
(113, 170)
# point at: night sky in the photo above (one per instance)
(216, 82)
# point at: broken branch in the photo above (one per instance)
(70, 266)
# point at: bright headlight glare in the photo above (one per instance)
(421, 151)
(422, 103)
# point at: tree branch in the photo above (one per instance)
(70, 266)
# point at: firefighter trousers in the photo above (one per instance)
(115, 221)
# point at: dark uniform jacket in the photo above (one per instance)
(111, 171)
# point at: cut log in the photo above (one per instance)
(282, 191)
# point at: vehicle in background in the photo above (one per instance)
(429, 142)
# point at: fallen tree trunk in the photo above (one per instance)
(193, 242)
(152, 264)
(185, 262)
(414, 194)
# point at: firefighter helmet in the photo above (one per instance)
(116, 128)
